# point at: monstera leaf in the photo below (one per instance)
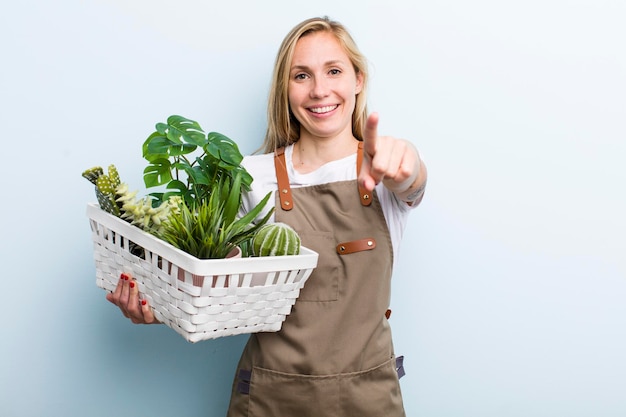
(189, 162)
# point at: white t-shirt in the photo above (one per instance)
(261, 167)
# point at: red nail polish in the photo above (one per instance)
(132, 285)
(144, 302)
(124, 276)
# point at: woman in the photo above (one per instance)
(347, 192)
(334, 355)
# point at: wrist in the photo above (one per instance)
(414, 191)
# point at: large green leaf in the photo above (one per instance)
(202, 174)
(182, 129)
(157, 173)
(174, 188)
(223, 149)
(177, 185)
(155, 147)
(159, 146)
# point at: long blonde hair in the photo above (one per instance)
(282, 127)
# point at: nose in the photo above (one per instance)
(319, 88)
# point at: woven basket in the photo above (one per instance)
(199, 298)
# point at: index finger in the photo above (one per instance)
(370, 134)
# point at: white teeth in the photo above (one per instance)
(325, 109)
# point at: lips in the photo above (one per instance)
(323, 109)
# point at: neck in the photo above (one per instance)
(309, 155)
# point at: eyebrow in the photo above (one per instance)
(326, 64)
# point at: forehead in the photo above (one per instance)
(318, 48)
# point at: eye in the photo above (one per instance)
(334, 71)
(300, 76)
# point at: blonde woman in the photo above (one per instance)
(347, 191)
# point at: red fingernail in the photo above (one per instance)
(124, 276)
(132, 285)
(144, 302)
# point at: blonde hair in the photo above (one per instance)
(282, 127)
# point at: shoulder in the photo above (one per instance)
(258, 163)
(261, 168)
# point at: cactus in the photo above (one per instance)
(114, 197)
(276, 239)
(92, 174)
(106, 184)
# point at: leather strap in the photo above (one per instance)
(284, 189)
(366, 196)
(360, 245)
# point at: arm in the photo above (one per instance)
(395, 162)
(415, 192)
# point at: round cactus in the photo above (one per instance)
(275, 239)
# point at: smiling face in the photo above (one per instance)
(322, 87)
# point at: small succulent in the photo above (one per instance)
(140, 213)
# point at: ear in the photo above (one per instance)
(359, 82)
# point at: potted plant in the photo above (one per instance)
(205, 172)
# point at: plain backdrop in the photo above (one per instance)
(510, 294)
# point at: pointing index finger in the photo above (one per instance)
(370, 134)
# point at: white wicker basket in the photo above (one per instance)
(199, 298)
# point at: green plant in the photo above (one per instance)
(188, 162)
(211, 229)
(205, 171)
(106, 187)
(275, 239)
(141, 213)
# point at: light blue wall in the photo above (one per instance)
(510, 296)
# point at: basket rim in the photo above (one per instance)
(307, 259)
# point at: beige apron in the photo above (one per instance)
(334, 354)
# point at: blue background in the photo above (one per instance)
(509, 297)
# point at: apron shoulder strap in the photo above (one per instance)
(366, 196)
(284, 189)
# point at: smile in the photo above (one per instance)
(325, 109)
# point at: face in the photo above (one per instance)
(323, 87)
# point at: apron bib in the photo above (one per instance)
(333, 355)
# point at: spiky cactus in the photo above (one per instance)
(114, 197)
(106, 184)
(275, 239)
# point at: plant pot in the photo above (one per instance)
(198, 280)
